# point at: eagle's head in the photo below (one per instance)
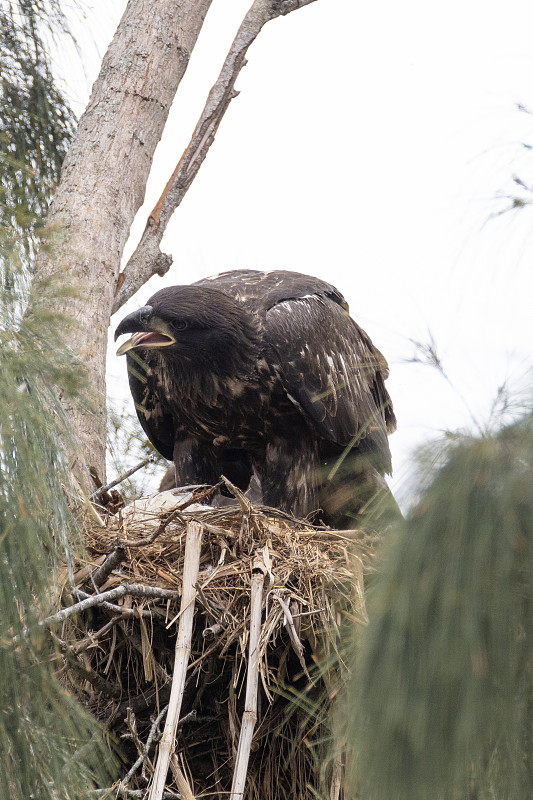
(198, 326)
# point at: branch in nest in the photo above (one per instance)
(148, 260)
(103, 489)
(172, 516)
(245, 505)
(91, 639)
(152, 738)
(122, 610)
(133, 589)
(112, 561)
(100, 684)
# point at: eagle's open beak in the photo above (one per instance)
(148, 331)
(148, 339)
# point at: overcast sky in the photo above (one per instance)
(372, 144)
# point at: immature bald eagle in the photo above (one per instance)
(263, 372)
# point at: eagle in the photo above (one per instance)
(263, 375)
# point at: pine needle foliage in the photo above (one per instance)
(441, 699)
(36, 124)
(49, 747)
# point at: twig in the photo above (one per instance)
(245, 505)
(92, 637)
(295, 639)
(249, 716)
(131, 724)
(112, 561)
(148, 260)
(116, 609)
(103, 489)
(170, 517)
(183, 648)
(135, 794)
(133, 589)
(106, 687)
(142, 756)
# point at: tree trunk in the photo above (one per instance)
(103, 183)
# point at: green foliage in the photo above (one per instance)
(49, 746)
(36, 124)
(442, 691)
(42, 728)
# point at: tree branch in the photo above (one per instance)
(148, 260)
(152, 736)
(133, 589)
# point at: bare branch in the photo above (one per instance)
(103, 489)
(120, 610)
(113, 560)
(152, 736)
(133, 589)
(148, 260)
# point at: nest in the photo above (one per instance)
(207, 642)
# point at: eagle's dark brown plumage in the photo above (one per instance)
(263, 372)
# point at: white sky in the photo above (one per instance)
(368, 146)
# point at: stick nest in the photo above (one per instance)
(120, 653)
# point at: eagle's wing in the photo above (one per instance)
(156, 422)
(331, 370)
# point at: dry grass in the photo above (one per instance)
(120, 657)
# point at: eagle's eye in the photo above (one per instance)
(180, 325)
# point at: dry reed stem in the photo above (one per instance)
(182, 783)
(336, 779)
(191, 566)
(295, 639)
(249, 717)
